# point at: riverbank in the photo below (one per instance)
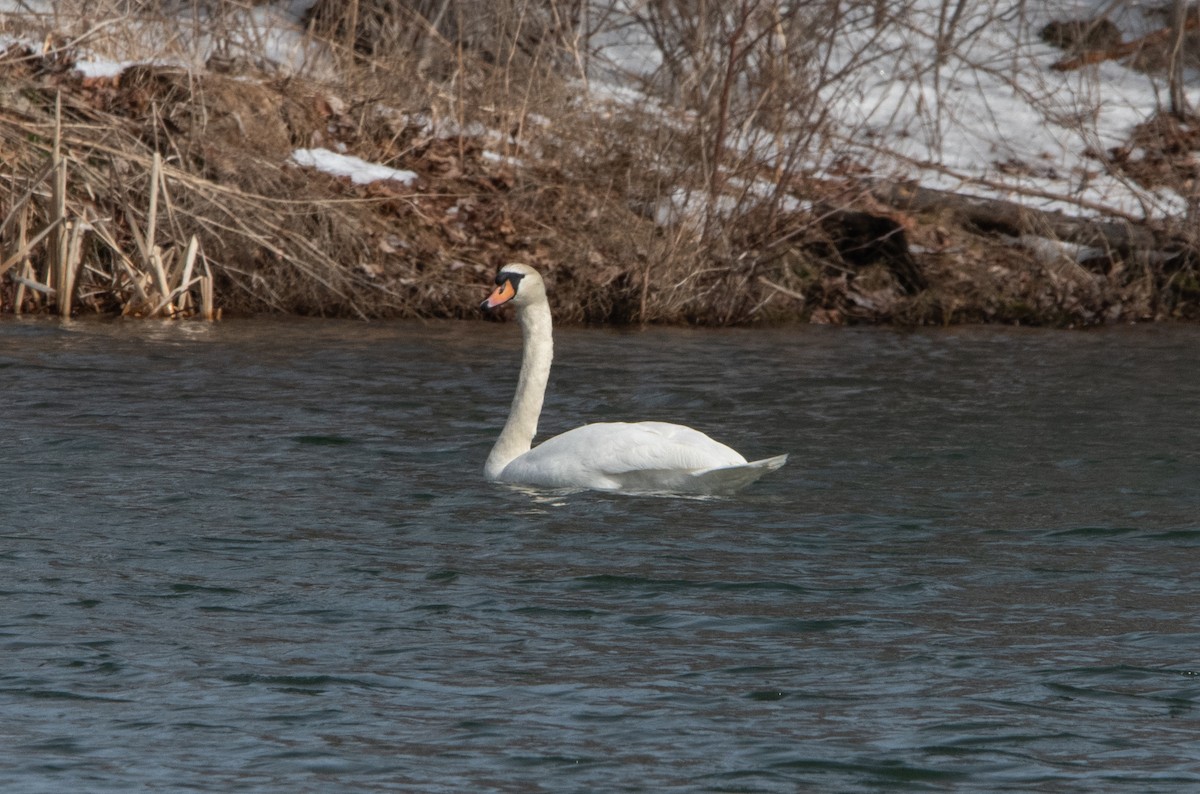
(238, 186)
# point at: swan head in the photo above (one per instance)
(517, 284)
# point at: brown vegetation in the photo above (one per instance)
(150, 192)
(1095, 41)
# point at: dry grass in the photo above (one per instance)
(173, 183)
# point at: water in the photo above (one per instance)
(260, 557)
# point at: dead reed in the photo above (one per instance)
(151, 282)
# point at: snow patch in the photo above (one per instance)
(98, 69)
(358, 170)
(496, 157)
(988, 118)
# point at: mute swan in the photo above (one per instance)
(610, 456)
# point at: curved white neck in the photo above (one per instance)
(517, 436)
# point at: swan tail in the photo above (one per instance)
(719, 481)
(730, 479)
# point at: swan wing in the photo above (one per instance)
(730, 479)
(641, 456)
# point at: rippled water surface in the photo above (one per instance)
(260, 556)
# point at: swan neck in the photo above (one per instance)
(537, 353)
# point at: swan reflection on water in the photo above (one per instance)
(636, 457)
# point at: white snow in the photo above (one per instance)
(358, 170)
(502, 159)
(100, 68)
(996, 101)
(992, 120)
(266, 34)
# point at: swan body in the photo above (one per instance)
(633, 457)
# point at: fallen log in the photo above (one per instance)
(998, 215)
(1123, 49)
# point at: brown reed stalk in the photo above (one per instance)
(56, 266)
(70, 268)
(185, 281)
(163, 282)
(152, 207)
(22, 244)
(206, 293)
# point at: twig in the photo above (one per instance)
(781, 289)
(34, 285)
(122, 259)
(20, 203)
(23, 251)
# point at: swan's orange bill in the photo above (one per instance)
(502, 294)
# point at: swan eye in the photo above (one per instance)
(510, 277)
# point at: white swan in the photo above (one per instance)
(610, 456)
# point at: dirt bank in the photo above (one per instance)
(136, 191)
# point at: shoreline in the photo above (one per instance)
(164, 191)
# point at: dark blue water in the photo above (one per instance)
(260, 556)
